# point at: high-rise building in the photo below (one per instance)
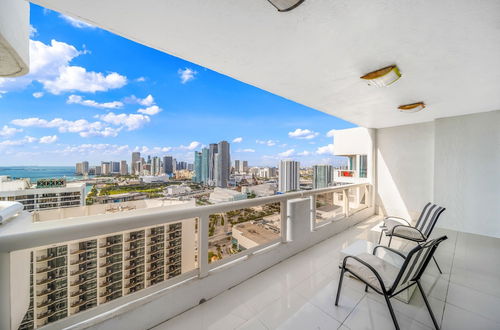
(181, 166)
(47, 194)
(115, 167)
(78, 169)
(98, 170)
(155, 166)
(174, 164)
(244, 166)
(136, 157)
(123, 167)
(212, 151)
(85, 167)
(105, 168)
(237, 166)
(168, 168)
(204, 165)
(190, 166)
(223, 164)
(322, 176)
(288, 176)
(197, 167)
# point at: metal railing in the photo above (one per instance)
(355, 197)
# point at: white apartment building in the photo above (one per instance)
(47, 194)
(288, 173)
(260, 190)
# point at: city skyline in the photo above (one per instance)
(81, 101)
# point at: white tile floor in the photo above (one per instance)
(298, 293)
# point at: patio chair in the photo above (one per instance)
(387, 279)
(399, 227)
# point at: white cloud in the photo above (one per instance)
(237, 140)
(269, 143)
(49, 65)
(77, 99)
(245, 150)
(140, 79)
(25, 140)
(152, 110)
(303, 134)
(37, 95)
(81, 126)
(330, 133)
(76, 78)
(33, 31)
(325, 150)
(186, 75)
(193, 145)
(48, 139)
(147, 101)
(304, 153)
(76, 23)
(7, 131)
(288, 153)
(131, 121)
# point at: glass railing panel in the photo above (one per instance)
(358, 199)
(330, 207)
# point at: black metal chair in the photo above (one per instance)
(387, 279)
(399, 227)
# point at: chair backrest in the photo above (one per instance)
(428, 218)
(415, 263)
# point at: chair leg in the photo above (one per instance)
(428, 306)
(392, 312)
(340, 287)
(366, 288)
(439, 268)
(390, 240)
(380, 238)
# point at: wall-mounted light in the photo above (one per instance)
(411, 108)
(383, 77)
(285, 5)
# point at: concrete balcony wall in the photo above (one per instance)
(452, 161)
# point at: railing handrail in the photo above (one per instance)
(56, 231)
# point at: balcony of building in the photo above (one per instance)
(447, 153)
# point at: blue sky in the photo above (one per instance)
(92, 95)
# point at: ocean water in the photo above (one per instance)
(40, 172)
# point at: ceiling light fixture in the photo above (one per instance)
(383, 77)
(411, 108)
(285, 5)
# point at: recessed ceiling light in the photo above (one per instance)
(285, 5)
(411, 108)
(383, 77)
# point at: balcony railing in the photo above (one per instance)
(253, 234)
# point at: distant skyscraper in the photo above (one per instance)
(197, 167)
(223, 164)
(105, 168)
(204, 165)
(322, 176)
(155, 166)
(168, 168)
(123, 167)
(136, 157)
(190, 167)
(115, 167)
(212, 151)
(288, 175)
(79, 168)
(181, 166)
(244, 166)
(85, 167)
(237, 166)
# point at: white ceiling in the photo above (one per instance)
(448, 50)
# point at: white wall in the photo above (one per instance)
(405, 169)
(14, 37)
(467, 172)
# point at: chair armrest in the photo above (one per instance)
(388, 249)
(410, 228)
(397, 219)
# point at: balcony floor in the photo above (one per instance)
(298, 293)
